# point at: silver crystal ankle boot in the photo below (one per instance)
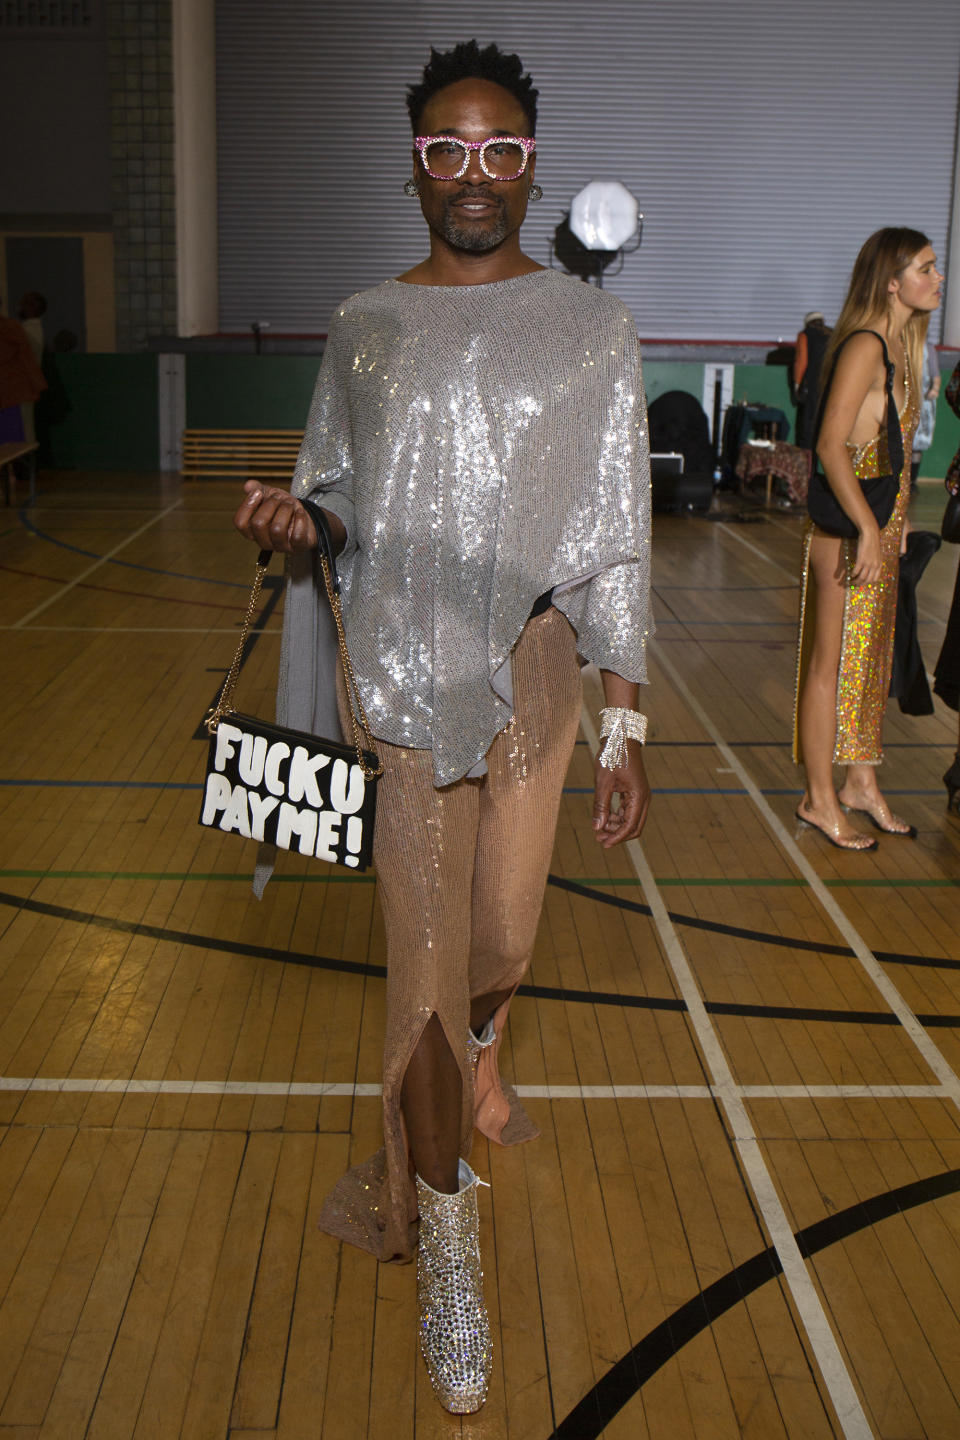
(454, 1329)
(476, 1044)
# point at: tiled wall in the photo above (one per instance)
(144, 216)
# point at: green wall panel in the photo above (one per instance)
(274, 391)
(765, 385)
(250, 392)
(659, 376)
(946, 436)
(99, 413)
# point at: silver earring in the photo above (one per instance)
(411, 189)
(536, 192)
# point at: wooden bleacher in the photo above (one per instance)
(246, 454)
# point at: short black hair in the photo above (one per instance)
(467, 61)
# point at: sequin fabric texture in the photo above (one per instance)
(454, 1328)
(481, 444)
(461, 873)
(869, 611)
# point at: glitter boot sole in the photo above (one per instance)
(454, 1329)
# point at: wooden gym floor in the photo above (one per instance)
(742, 1217)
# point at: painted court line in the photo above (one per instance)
(78, 579)
(72, 1085)
(732, 534)
(666, 882)
(933, 1056)
(812, 1315)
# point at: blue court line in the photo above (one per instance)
(126, 564)
(706, 790)
(567, 790)
(725, 589)
(743, 624)
(672, 790)
(733, 624)
(108, 784)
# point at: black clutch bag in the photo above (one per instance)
(881, 491)
(284, 787)
(950, 527)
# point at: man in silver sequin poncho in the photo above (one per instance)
(478, 443)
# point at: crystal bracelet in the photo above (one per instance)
(617, 726)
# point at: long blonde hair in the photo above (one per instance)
(885, 255)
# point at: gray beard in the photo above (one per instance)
(472, 238)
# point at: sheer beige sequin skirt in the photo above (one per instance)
(461, 874)
(866, 655)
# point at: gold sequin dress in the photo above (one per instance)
(869, 612)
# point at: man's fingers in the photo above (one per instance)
(274, 520)
(247, 508)
(627, 822)
(602, 795)
(271, 521)
(624, 822)
(303, 534)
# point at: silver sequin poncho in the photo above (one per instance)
(481, 444)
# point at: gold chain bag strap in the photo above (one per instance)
(284, 787)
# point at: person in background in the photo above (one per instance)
(923, 438)
(946, 680)
(849, 587)
(21, 379)
(811, 347)
(477, 446)
(31, 310)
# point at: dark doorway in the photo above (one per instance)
(52, 264)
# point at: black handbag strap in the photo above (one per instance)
(331, 581)
(324, 540)
(894, 433)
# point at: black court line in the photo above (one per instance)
(740, 932)
(624, 1379)
(772, 744)
(536, 992)
(34, 529)
(723, 589)
(273, 585)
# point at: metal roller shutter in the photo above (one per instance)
(764, 141)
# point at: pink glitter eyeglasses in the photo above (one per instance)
(502, 157)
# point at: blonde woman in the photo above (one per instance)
(849, 587)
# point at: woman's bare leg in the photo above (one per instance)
(817, 716)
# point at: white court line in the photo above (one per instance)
(813, 1316)
(78, 579)
(755, 550)
(72, 1085)
(843, 1092)
(934, 1057)
(787, 529)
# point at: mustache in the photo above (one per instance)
(475, 194)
